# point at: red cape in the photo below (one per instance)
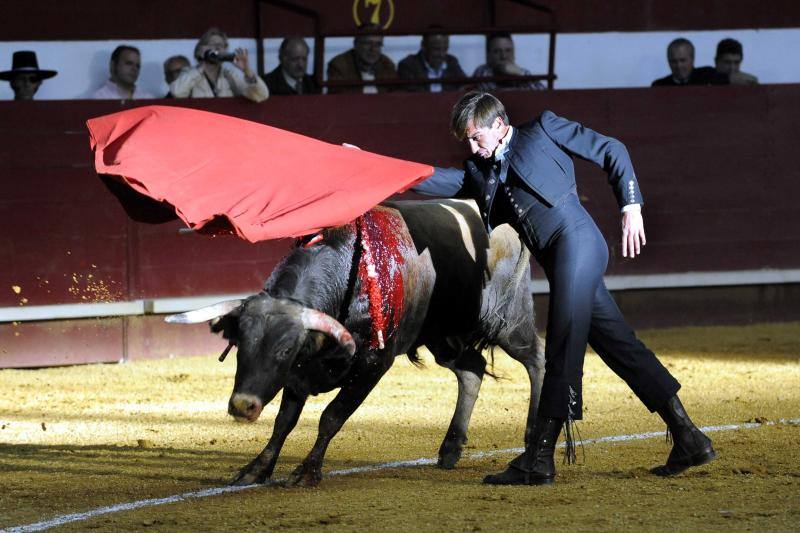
(268, 183)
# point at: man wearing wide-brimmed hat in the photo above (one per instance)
(25, 76)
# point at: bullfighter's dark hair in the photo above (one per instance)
(477, 108)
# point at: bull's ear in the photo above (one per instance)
(314, 341)
(228, 325)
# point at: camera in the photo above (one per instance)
(215, 56)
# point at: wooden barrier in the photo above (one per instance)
(716, 165)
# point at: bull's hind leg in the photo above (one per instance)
(260, 469)
(350, 396)
(524, 345)
(468, 365)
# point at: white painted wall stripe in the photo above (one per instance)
(56, 311)
(540, 286)
(100, 511)
(583, 60)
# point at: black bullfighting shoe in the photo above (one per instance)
(536, 465)
(510, 476)
(690, 446)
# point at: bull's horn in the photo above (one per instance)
(318, 321)
(204, 313)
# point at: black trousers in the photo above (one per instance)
(573, 253)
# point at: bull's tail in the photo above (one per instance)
(482, 345)
(414, 357)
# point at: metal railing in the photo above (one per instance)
(320, 35)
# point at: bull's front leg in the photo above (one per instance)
(260, 469)
(350, 396)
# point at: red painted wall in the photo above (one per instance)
(717, 166)
(151, 19)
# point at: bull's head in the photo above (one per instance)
(271, 334)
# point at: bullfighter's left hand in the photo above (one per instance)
(632, 233)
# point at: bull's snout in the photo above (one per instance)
(245, 407)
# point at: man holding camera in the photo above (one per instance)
(213, 78)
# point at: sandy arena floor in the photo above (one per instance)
(79, 438)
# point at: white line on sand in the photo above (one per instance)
(77, 517)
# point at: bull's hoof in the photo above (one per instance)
(247, 478)
(253, 473)
(304, 476)
(449, 454)
(448, 461)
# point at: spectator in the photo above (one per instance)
(25, 77)
(728, 61)
(432, 62)
(212, 78)
(364, 62)
(290, 76)
(173, 67)
(500, 62)
(680, 56)
(124, 71)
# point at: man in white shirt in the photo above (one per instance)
(124, 66)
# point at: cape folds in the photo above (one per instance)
(267, 183)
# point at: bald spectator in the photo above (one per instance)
(728, 62)
(680, 56)
(501, 61)
(25, 76)
(124, 67)
(290, 76)
(432, 62)
(219, 73)
(173, 67)
(364, 62)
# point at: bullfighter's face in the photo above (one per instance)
(484, 141)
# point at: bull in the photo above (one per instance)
(313, 327)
